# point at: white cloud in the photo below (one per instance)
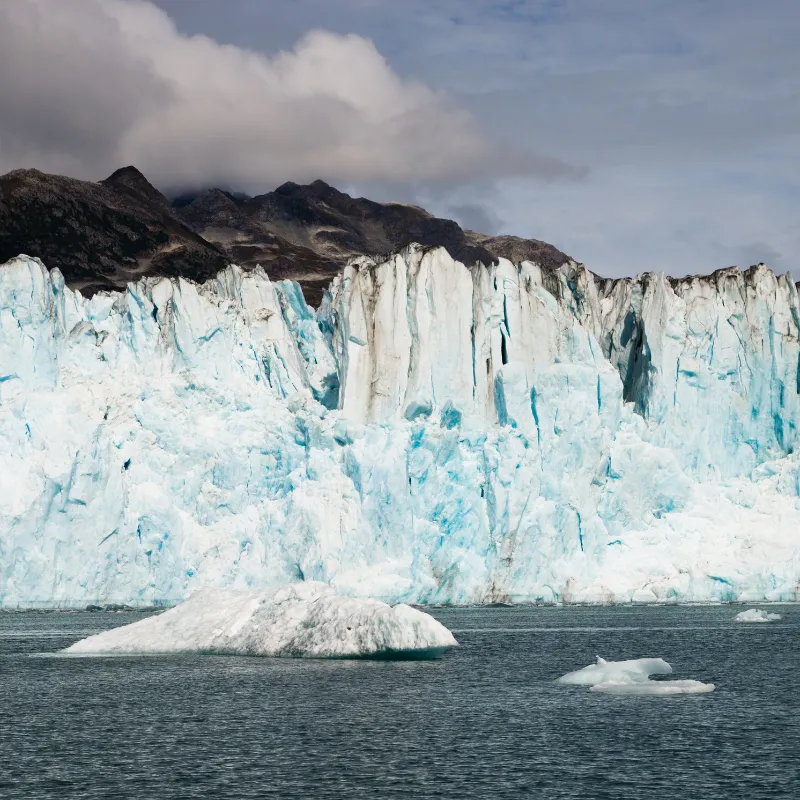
(96, 84)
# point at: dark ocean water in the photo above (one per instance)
(485, 721)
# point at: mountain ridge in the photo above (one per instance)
(103, 235)
(100, 235)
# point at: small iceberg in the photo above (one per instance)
(297, 620)
(756, 615)
(632, 677)
(635, 670)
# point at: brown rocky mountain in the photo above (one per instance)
(102, 235)
(307, 233)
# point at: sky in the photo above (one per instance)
(634, 135)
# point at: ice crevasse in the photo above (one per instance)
(434, 433)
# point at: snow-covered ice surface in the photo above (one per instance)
(654, 688)
(298, 620)
(634, 670)
(632, 677)
(756, 615)
(435, 433)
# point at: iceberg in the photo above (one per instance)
(604, 672)
(435, 433)
(756, 615)
(306, 620)
(632, 678)
(654, 688)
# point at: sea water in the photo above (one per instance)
(485, 721)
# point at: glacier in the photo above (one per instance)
(435, 433)
(302, 620)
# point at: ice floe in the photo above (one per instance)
(635, 670)
(654, 687)
(756, 615)
(632, 677)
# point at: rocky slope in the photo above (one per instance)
(102, 235)
(308, 233)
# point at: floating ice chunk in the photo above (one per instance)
(636, 670)
(755, 615)
(302, 620)
(641, 688)
(632, 677)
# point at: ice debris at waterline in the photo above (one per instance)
(756, 615)
(632, 677)
(654, 688)
(300, 620)
(436, 433)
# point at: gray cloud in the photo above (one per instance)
(686, 111)
(760, 253)
(476, 218)
(100, 83)
(72, 86)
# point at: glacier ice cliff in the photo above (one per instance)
(434, 433)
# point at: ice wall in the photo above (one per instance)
(436, 433)
(716, 357)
